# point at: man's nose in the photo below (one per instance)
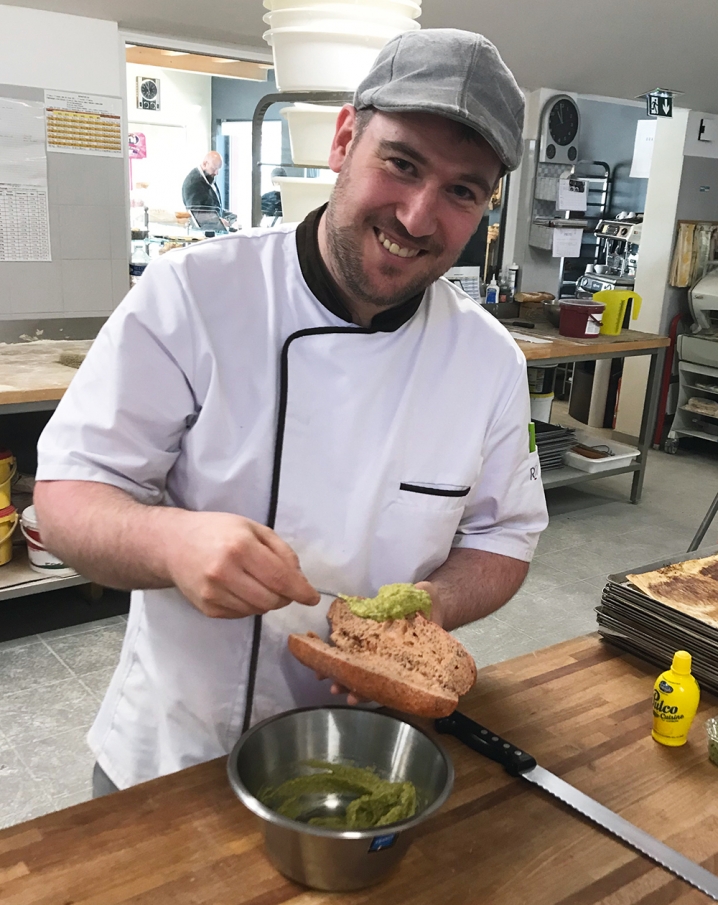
(417, 211)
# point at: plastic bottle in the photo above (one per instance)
(492, 292)
(504, 293)
(138, 262)
(513, 275)
(675, 701)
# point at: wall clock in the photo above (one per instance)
(560, 124)
(148, 93)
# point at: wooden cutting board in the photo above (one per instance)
(581, 709)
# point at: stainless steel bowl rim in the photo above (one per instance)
(261, 810)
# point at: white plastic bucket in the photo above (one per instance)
(300, 196)
(311, 130)
(312, 59)
(40, 559)
(336, 15)
(411, 8)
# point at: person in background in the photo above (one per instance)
(199, 188)
(300, 407)
(272, 200)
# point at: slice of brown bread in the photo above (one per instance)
(416, 643)
(410, 664)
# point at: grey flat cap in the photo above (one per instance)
(453, 73)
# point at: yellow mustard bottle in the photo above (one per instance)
(675, 701)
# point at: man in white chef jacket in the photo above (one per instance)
(301, 407)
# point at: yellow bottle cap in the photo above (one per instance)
(681, 663)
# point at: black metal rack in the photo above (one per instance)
(309, 97)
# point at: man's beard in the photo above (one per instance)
(345, 249)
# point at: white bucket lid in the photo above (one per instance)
(29, 517)
(414, 5)
(305, 109)
(282, 18)
(330, 30)
(328, 178)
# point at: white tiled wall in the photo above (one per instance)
(87, 195)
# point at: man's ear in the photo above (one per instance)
(343, 137)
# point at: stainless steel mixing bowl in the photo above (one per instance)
(278, 748)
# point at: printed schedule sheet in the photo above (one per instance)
(24, 216)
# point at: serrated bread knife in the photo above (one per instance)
(519, 763)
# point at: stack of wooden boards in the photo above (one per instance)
(671, 605)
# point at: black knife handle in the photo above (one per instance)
(486, 742)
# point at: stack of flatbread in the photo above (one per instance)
(663, 608)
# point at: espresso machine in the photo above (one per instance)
(617, 243)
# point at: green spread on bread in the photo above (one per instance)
(376, 801)
(394, 601)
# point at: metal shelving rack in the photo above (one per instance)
(331, 98)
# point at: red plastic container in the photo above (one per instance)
(580, 317)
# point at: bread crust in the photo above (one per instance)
(375, 684)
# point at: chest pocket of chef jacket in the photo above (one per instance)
(419, 523)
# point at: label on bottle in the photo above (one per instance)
(663, 710)
(136, 270)
(665, 687)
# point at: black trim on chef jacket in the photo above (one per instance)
(324, 288)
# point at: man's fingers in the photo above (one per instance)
(270, 565)
(437, 609)
(352, 698)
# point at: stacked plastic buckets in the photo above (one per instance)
(319, 45)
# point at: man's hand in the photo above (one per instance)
(226, 565)
(234, 567)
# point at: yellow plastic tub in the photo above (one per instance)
(8, 520)
(8, 467)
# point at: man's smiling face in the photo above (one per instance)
(411, 191)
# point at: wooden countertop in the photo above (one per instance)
(31, 372)
(581, 709)
(568, 348)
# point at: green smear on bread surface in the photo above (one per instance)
(394, 601)
(375, 801)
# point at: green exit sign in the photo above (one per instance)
(659, 105)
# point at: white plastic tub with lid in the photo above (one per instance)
(300, 196)
(311, 130)
(411, 8)
(333, 56)
(333, 15)
(39, 558)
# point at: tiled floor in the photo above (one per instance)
(51, 683)
(50, 688)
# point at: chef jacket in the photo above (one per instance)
(221, 383)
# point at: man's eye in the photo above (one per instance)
(402, 165)
(463, 193)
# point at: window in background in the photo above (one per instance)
(240, 164)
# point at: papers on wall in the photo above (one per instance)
(84, 123)
(566, 243)
(643, 148)
(24, 218)
(572, 194)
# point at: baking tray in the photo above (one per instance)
(638, 624)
